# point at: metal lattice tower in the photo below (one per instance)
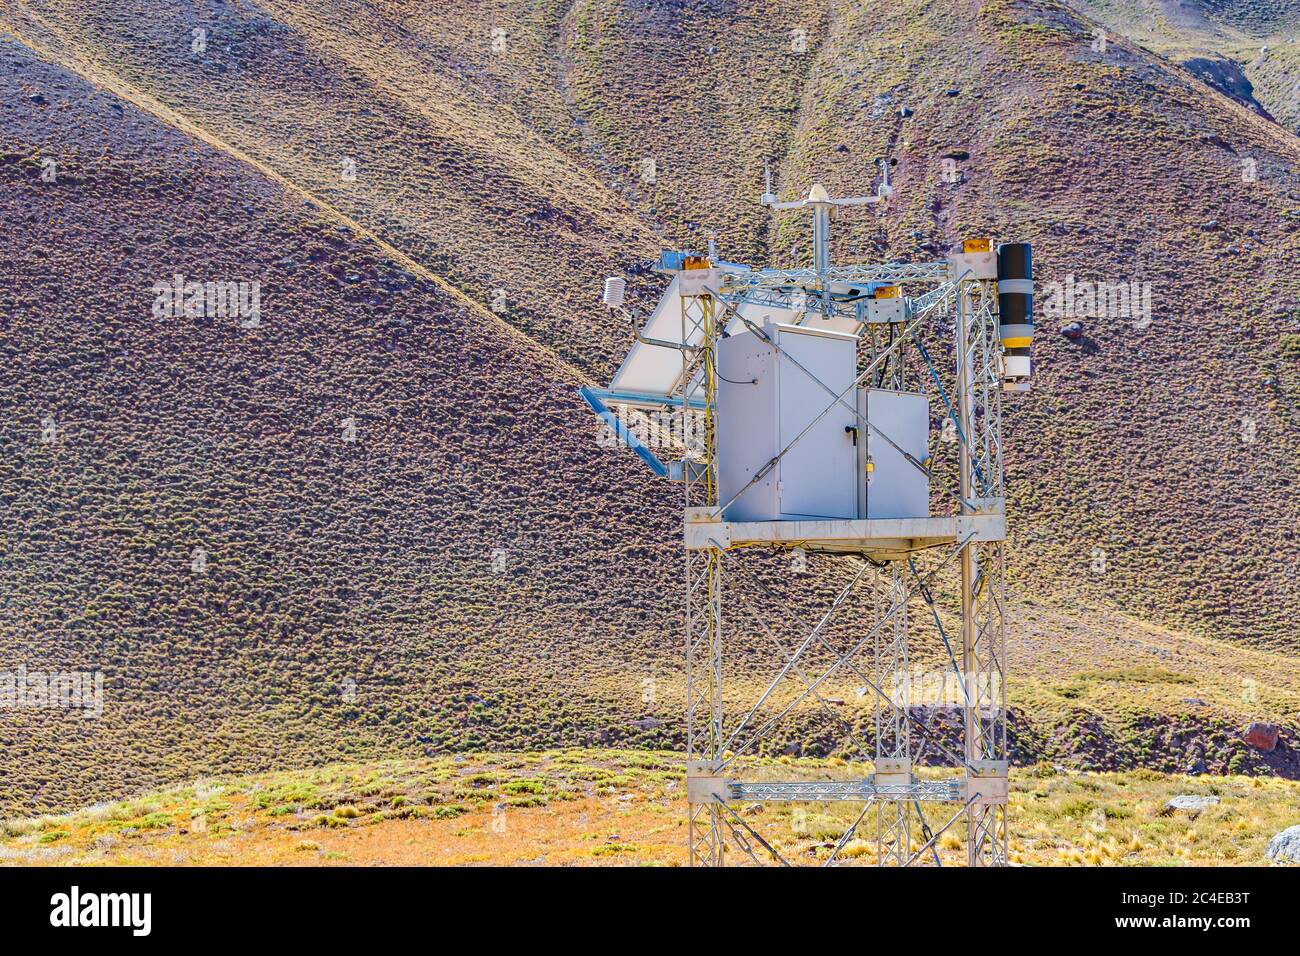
(879, 584)
(974, 795)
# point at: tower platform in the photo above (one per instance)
(885, 539)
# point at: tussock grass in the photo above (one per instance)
(1058, 817)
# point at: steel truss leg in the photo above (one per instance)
(708, 822)
(893, 736)
(704, 697)
(986, 720)
(983, 570)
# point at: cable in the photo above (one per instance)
(752, 381)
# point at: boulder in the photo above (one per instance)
(1285, 847)
(1262, 736)
(1073, 331)
(1187, 803)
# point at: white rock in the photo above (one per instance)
(1285, 847)
(1190, 804)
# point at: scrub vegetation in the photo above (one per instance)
(378, 523)
(620, 808)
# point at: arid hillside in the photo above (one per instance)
(527, 173)
(484, 139)
(1246, 49)
(1156, 458)
(317, 534)
(377, 521)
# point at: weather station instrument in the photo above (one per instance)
(849, 417)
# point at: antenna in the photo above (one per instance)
(884, 190)
(768, 198)
(821, 204)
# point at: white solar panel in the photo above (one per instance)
(656, 370)
(650, 369)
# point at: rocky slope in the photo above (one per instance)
(378, 521)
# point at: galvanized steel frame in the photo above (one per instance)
(717, 834)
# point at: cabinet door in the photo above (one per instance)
(895, 487)
(817, 474)
(746, 410)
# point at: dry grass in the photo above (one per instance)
(609, 808)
